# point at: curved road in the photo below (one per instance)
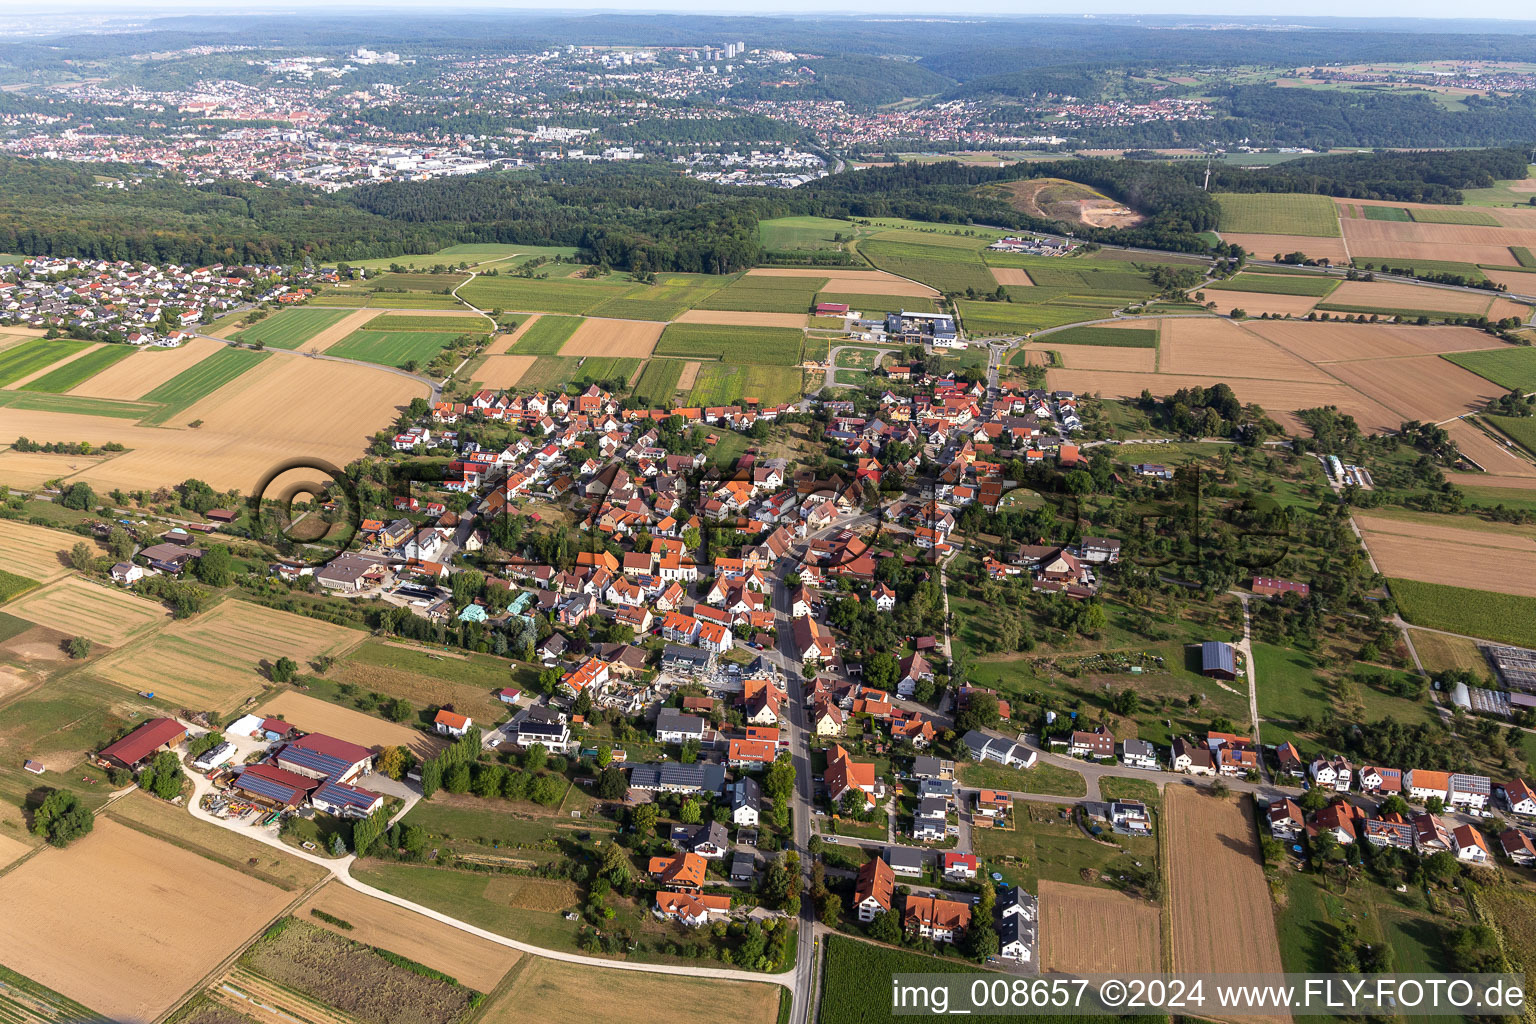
(339, 868)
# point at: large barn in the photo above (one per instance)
(325, 757)
(139, 745)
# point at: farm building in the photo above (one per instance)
(219, 755)
(1218, 660)
(346, 801)
(137, 747)
(272, 786)
(1516, 667)
(325, 757)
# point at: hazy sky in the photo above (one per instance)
(1517, 9)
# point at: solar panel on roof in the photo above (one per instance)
(269, 788)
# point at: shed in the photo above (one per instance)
(1218, 660)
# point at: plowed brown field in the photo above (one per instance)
(151, 939)
(1418, 387)
(1463, 243)
(1395, 295)
(503, 371)
(476, 962)
(1222, 348)
(630, 339)
(853, 282)
(1254, 303)
(314, 715)
(732, 318)
(1486, 452)
(502, 342)
(1012, 275)
(1104, 357)
(1331, 342)
(1266, 246)
(1128, 941)
(1503, 563)
(1222, 921)
(142, 372)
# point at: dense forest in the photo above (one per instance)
(645, 214)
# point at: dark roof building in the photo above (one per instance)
(671, 777)
(346, 801)
(324, 757)
(138, 745)
(272, 785)
(1218, 660)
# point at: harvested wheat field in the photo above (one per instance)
(853, 282)
(1266, 246)
(215, 660)
(628, 339)
(502, 342)
(34, 551)
(1503, 308)
(1012, 275)
(688, 376)
(552, 992)
(1222, 348)
(1395, 295)
(343, 327)
(1504, 563)
(104, 614)
(1254, 303)
(142, 372)
(1214, 875)
(314, 715)
(1518, 281)
(152, 931)
(1418, 387)
(1279, 398)
(1498, 481)
(1102, 357)
(1486, 452)
(32, 469)
(731, 318)
(1409, 240)
(12, 850)
(21, 382)
(476, 962)
(1334, 342)
(1128, 938)
(1040, 357)
(503, 371)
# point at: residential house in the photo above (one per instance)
(845, 775)
(1430, 835)
(710, 841)
(1520, 798)
(1139, 754)
(672, 726)
(450, 723)
(1289, 762)
(959, 866)
(937, 920)
(746, 802)
(1390, 830)
(1285, 819)
(1332, 772)
(1191, 758)
(1517, 847)
(1098, 743)
(873, 889)
(983, 747)
(1374, 779)
(1470, 845)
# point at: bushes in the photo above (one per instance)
(61, 818)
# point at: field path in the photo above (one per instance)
(340, 869)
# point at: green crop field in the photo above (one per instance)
(29, 357)
(770, 345)
(545, 336)
(941, 238)
(786, 234)
(727, 383)
(78, 371)
(556, 295)
(1082, 278)
(1513, 368)
(1523, 256)
(750, 294)
(1130, 337)
(392, 348)
(1453, 215)
(412, 300)
(1521, 428)
(658, 383)
(290, 328)
(36, 401)
(547, 373)
(11, 586)
(470, 252)
(412, 322)
(1044, 307)
(868, 304)
(667, 299)
(1393, 213)
(1275, 284)
(597, 369)
(1267, 213)
(1503, 617)
(950, 269)
(409, 282)
(200, 380)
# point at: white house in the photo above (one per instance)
(1470, 845)
(672, 726)
(1520, 798)
(449, 723)
(1139, 754)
